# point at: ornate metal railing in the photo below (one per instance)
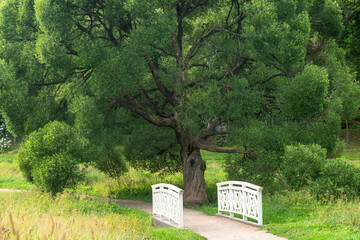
(168, 204)
(241, 199)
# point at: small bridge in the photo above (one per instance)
(241, 200)
(168, 204)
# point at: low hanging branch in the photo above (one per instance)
(128, 102)
(277, 176)
(223, 150)
(152, 105)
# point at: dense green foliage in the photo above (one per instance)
(50, 157)
(307, 167)
(140, 156)
(302, 164)
(350, 39)
(271, 70)
(338, 179)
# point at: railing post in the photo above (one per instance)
(260, 214)
(219, 199)
(153, 201)
(181, 209)
(232, 200)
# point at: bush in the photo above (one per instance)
(252, 170)
(112, 164)
(50, 157)
(307, 166)
(337, 179)
(301, 164)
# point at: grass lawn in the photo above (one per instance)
(10, 175)
(353, 153)
(353, 157)
(354, 139)
(298, 216)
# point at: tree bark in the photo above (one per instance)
(194, 167)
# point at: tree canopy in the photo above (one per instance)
(166, 73)
(351, 34)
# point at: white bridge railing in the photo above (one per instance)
(240, 198)
(168, 204)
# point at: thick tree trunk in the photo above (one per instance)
(194, 166)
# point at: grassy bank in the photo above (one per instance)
(39, 216)
(10, 175)
(299, 216)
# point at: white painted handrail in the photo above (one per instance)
(168, 204)
(240, 198)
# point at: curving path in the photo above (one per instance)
(211, 227)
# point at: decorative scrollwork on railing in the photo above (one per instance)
(168, 204)
(241, 198)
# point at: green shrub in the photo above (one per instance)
(301, 164)
(307, 166)
(50, 157)
(252, 170)
(112, 164)
(338, 179)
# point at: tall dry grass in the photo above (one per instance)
(38, 216)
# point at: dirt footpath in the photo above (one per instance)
(211, 227)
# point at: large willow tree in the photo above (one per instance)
(167, 72)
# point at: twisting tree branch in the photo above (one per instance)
(162, 50)
(239, 64)
(202, 58)
(128, 102)
(197, 43)
(222, 150)
(152, 105)
(158, 82)
(162, 151)
(207, 129)
(268, 79)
